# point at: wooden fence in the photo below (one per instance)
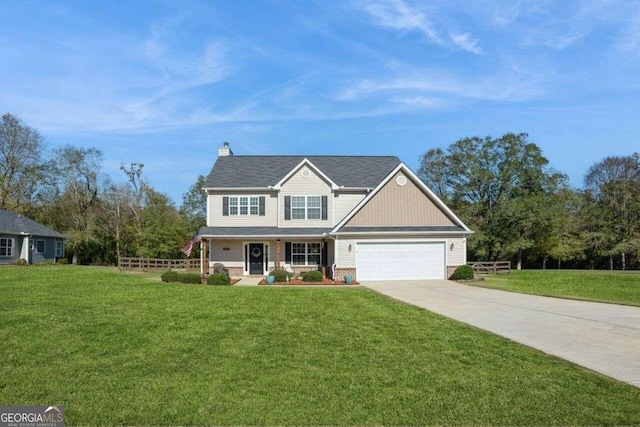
(491, 267)
(158, 264)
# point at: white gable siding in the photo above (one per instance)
(457, 256)
(311, 185)
(216, 219)
(343, 203)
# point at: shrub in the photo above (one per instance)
(192, 278)
(312, 276)
(218, 279)
(280, 275)
(20, 261)
(464, 272)
(170, 276)
(62, 261)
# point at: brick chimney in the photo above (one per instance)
(225, 151)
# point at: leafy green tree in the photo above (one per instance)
(612, 189)
(194, 205)
(434, 172)
(163, 232)
(498, 186)
(565, 238)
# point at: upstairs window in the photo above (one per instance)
(6, 247)
(243, 205)
(298, 207)
(314, 207)
(307, 207)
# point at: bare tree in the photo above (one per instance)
(22, 169)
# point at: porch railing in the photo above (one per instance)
(127, 263)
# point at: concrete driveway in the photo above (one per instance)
(602, 337)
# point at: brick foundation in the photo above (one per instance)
(450, 270)
(341, 272)
(235, 271)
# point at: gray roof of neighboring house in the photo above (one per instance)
(262, 231)
(13, 223)
(263, 171)
(429, 228)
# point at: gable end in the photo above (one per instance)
(401, 202)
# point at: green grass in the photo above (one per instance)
(118, 349)
(606, 286)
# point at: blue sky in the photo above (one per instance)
(164, 83)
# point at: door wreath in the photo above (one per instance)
(256, 252)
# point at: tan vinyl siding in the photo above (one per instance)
(396, 205)
(343, 204)
(231, 258)
(216, 219)
(312, 185)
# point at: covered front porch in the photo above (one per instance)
(294, 250)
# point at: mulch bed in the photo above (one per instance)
(298, 282)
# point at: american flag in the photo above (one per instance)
(189, 246)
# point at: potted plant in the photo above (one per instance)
(348, 279)
(270, 280)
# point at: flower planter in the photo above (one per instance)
(348, 279)
(270, 280)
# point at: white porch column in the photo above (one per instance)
(24, 252)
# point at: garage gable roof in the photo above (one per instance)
(418, 182)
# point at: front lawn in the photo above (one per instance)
(606, 286)
(117, 349)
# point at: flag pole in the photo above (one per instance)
(203, 247)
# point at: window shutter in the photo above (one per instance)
(225, 206)
(261, 205)
(287, 208)
(324, 207)
(287, 252)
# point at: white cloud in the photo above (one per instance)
(464, 42)
(416, 101)
(510, 85)
(400, 16)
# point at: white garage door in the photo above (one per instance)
(400, 261)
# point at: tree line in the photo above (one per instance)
(103, 218)
(502, 188)
(523, 210)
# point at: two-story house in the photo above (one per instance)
(366, 216)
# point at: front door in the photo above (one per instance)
(256, 258)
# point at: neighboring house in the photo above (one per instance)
(23, 238)
(366, 216)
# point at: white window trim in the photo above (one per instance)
(9, 247)
(45, 246)
(249, 205)
(306, 208)
(306, 254)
